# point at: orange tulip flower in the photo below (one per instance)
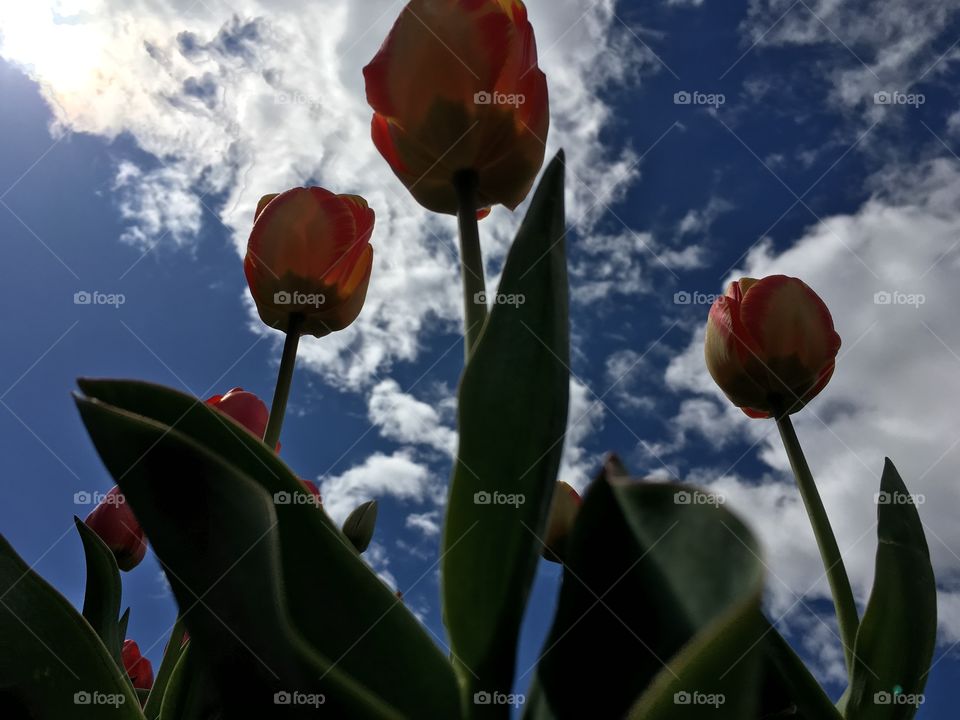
(770, 344)
(309, 253)
(456, 87)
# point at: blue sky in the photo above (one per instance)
(133, 154)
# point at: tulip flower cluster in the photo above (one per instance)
(659, 604)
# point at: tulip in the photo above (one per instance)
(563, 513)
(309, 259)
(456, 89)
(138, 667)
(770, 345)
(114, 522)
(243, 407)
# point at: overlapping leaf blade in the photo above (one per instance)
(512, 416)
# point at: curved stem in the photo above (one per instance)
(284, 377)
(847, 617)
(471, 260)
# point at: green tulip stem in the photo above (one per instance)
(282, 392)
(843, 601)
(471, 259)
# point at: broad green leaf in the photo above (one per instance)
(512, 418)
(171, 656)
(285, 560)
(660, 604)
(897, 635)
(101, 598)
(52, 664)
(188, 695)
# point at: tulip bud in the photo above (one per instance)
(309, 254)
(114, 522)
(244, 407)
(563, 513)
(138, 667)
(456, 87)
(770, 345)
(359, 525)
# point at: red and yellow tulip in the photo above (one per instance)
(309, 254)
(770, 344)
(456, 87)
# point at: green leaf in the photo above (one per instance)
(101, 599)
(188, 695)
(52, 664)
(660, 602)
(512, 418)
(171, 656)
(236, 528)
(896, 640)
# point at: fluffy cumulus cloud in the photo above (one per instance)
(888, 272)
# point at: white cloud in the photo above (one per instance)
(379, 476)
(406, 420)
(892, 394)
(428, 523)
